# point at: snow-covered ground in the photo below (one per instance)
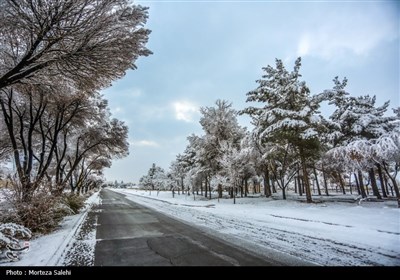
(51, 249)
(329, 233)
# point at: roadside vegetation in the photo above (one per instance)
(57, 132)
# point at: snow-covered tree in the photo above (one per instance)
(220, 126)
(355, 117)
(178, 171)
(221, 131)
(52, 132)
(386, 152)
(156, 179)
(88, 43)
(289, 115)
(355, 121)
(236, 166)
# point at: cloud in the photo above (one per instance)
(134, 93)
(304, 46)
(185, 111)
(117, 110)
(144, 143)
(355, 32)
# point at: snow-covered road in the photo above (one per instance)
(326, 234)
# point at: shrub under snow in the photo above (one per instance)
(11, 233)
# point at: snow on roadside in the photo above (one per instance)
(50, 250)
(81, 250)
(326, 233)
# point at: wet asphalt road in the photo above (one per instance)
(129, 234)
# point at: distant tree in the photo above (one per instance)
(156, 179)
(178, 172)
(86, 42)
(88, 172)
(221, 129)
(189, 160)
(236, 167)
(260, 156)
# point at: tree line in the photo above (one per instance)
(55, 57)
(291, 144)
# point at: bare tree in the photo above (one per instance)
(52, 129)
(93, 147)
(90, 165)
(86, 42)
(34, 117)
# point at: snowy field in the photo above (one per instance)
(52, 249)
(333, 234)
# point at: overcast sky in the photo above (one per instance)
(209, 50)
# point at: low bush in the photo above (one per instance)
(44, 211)
(74, 202)
(42, 214)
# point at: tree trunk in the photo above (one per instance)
(387, 184)
(357, 183)
(316, 181)
(283, 193)
(306, 181)
(383, 185)
(361, 183)
(219, 191)
(351, 191)
(299, 183)
(396, 189)
(341, 182)
(273, 186)
(374, 186)
(246, 188)
(395, 186)
(267, 186)
(325, 183)
(307, 187)
(209, 190)
(206, 187)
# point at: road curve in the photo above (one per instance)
(129, 234)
